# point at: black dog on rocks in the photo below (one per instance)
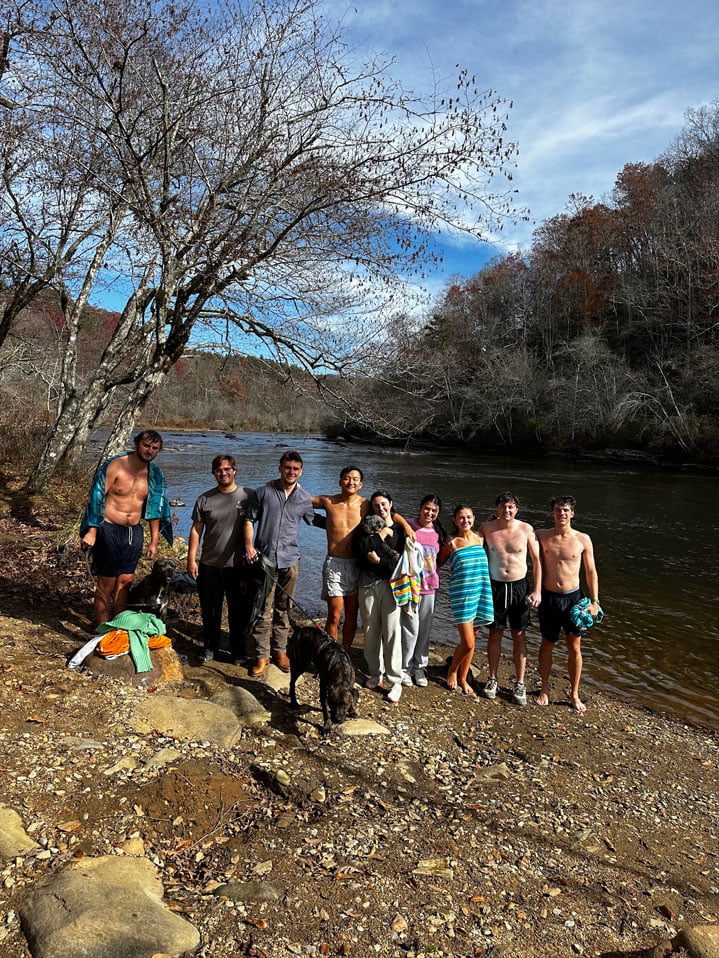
(309, 647)
(151, 593)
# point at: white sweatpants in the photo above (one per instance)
(383, 632)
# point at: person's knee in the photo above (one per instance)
(104, 586)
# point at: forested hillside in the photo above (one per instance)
(206, 389)
(603, 334)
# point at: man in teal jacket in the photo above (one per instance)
(125, 489)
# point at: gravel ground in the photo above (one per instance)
(469, 828)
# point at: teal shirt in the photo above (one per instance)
(157, 505)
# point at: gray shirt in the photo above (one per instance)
(278, 520)
(222, 515)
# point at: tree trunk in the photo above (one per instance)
(132, 404)
(69, 435)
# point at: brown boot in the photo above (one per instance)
(259, 667)
(282, 661)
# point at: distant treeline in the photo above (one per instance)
(604, 335)
(204, 389)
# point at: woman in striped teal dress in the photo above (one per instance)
(470, 593)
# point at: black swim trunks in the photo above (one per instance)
(553, 614)
(510, 602)
(117, 550)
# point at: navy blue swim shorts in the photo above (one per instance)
(117, 550)
(553, 614)
(510, 603)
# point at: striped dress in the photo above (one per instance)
(470, 591)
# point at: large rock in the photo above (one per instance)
(243, 704)
(14, 840)
(701, 941)
(275, 678)
(166, 667)
(248, 891)
(192, 719)
(108, 907)
(356, 728)
(698, 941)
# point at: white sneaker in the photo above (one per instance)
(490, 688)
(406, 679)
(519, 696)
(373, 682)
(420, 679)
(395, 693)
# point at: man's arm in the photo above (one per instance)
(88, 540)
(406, 527)
(154, 525)
(192, 547)
(94, 514)
(590, 574)
(309, 514)
(250, 551)
(535, 597)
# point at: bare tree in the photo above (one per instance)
(235, 165)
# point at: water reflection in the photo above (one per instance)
(653, 531)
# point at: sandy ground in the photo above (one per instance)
(470, 828)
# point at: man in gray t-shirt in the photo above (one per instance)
(221, 573)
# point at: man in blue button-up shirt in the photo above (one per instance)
(276, 511)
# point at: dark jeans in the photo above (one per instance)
(213, 587)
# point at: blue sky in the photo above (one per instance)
(595, 84)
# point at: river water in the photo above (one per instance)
(654, 533)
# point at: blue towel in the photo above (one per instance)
(583, 619)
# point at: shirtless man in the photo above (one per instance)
(125, 489)
(340, 572)
(564, 551)
(507, 542)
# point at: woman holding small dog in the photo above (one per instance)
(378, 543)
(470, 593)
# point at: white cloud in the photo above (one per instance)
(595, 83)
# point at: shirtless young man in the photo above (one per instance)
(564, 552)
(340, 572)
(125, 489)
(508, 541)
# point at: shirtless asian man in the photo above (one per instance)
(508, 541)
(125, 489)
(564, 552)
(340, 572)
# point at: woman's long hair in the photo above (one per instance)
(436, 524)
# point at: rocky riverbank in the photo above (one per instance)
(440, 826)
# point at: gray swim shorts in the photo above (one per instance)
(339, 577)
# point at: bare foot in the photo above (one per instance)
(578, 705)
(452, 681)
(542, 699)
(468, 690)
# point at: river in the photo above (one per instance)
(654, 533)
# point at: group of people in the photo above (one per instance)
(243, 550)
